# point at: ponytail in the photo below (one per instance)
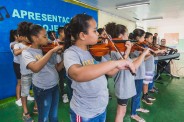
(67, 32)
(13, 33)
(131, 36)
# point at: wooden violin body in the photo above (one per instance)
(50, 46)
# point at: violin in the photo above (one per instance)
(136, 47)
(148, 44)
(139, 47)
(119, 40)
(103, 49)
(120, 44)
(51, 45)
(162, 48)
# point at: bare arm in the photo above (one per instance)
(59, 66)
(86, 73)
(36, 66)
(112, 72)
(17, 51)
(147, 57)
(137, 61)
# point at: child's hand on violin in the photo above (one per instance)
(57, 49)
(128, 45)
(125, 64)
(146, 51)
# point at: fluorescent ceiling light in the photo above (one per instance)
(133, 4)
(152, 18)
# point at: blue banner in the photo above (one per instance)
(50, 14)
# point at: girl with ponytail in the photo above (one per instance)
(124, 80)
(44, 73)
(138, 34)
(90, 93)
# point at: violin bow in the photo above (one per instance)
(122, 57)
(55, 39)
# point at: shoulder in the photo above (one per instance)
(25, 52)
(70, 50)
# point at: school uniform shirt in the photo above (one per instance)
(149, 64)
(89, 98)
(47, 77)
(23, 69)
(124, 81)
(140, 73)
(15, 58)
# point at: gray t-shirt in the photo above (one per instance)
(23, 69)
(47, 77)
(124, 81)
(149, 64)
(140, 73)
(89, 98)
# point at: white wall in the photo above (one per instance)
(168, 25)
(171, 29)
(104, 18)
(152, 30)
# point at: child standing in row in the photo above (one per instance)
(26, 74)
(124, 80)
(44, 77)
(90, 93)
(138, 34)
(16, 65)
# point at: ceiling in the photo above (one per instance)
(170, 10)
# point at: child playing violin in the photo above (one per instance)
(138, 34)
(44, 73)
(90, 93)
(124, 80)
(26, 74)
(150, 68)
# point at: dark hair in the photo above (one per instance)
(148, 34)
(131, 36)
(34, 30)
(100, 30)
(78, 24)
(138, 33)
(67, 39)
(60, 29)
(23, 28)
(13, 33)
(120, 29)
(154, 40)
(110, 29)
(50, 33)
